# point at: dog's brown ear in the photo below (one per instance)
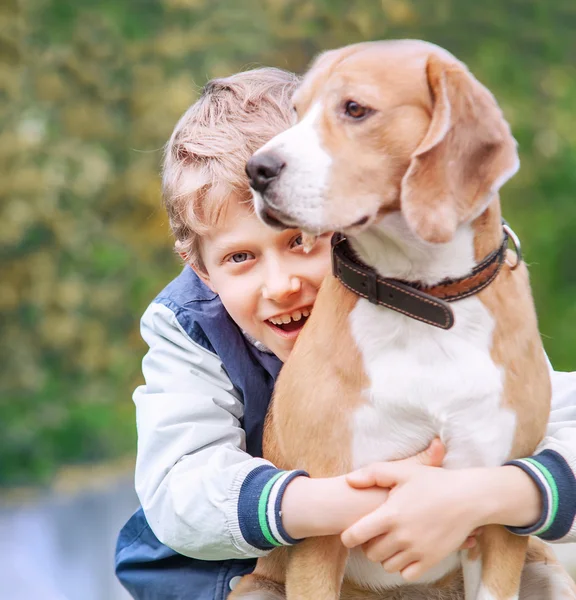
(467, 154)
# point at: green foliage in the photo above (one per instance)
(89, 92)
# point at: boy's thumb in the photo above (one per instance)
(433, 456)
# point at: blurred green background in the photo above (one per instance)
(89, 93)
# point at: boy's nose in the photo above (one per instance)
(280, 288)
(262, 169)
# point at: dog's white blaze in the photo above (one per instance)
(300, 189)
(472, 571)
(427, 382)
(485, 594)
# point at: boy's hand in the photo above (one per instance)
(327, 506)
(429, 514)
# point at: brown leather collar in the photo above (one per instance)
(427, 304)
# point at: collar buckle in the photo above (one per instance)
(372, 286)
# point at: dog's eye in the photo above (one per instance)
(355, 110)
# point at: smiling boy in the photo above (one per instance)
(218, 335)
(263, 278)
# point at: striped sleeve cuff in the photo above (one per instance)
(557, 485)
(259, 503)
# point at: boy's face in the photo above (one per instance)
(266, 282)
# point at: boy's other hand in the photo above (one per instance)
(327, 506)
(429, 512)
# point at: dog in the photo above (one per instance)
(427, 326)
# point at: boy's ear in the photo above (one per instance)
(205, 278)
(201, 272)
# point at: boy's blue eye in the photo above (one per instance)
(239, 257)
(297, 241)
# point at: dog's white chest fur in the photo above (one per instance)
(427, 382)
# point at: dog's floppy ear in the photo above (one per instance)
(467, 154)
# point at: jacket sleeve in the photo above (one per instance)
(553, 467)
(202, 494)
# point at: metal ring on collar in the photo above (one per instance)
(517, 246)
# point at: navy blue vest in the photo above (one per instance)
(148, 569)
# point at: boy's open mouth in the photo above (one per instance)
(289, 324)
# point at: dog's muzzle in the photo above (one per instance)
(271, 217)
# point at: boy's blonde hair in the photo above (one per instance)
(207, 153)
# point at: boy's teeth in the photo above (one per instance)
(295, 316)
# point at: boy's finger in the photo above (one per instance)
(398, 562)
(382, 547)
(362, 478)
(436, 453)
(368, 527)
(384, 475)
(387, 474)
(469, 543)
(433, 456)
(413, 572)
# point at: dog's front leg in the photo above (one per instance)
(493, 571)
(316, 569)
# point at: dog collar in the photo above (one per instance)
(427, 304)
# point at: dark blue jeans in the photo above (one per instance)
(149, 570)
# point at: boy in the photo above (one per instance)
(217, 336)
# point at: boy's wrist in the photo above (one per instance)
(314, 507)
(510, 497)
(306, 510)
(297, 513)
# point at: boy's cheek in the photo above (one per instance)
(323, 264)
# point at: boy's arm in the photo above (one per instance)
(553, 466)
(202, 494)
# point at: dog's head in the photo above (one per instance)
(384, 127)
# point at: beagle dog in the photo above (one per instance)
(427, 326)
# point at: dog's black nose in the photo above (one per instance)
(262, 169)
